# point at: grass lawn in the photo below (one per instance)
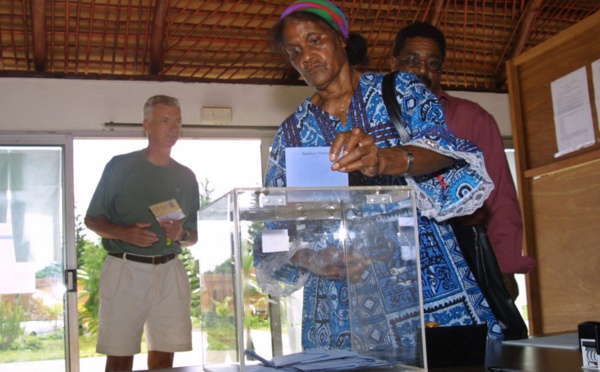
(49, 347)
(34, 348)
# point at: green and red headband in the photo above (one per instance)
(324, 9)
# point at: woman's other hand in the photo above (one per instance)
(332, 263)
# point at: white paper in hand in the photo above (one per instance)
(311, 167)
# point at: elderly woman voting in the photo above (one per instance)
(347, 114)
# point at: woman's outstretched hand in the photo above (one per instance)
(358, 153)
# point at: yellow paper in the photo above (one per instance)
(167, 210)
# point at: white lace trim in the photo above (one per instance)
(429, 207)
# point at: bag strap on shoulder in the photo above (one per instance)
(388, 92)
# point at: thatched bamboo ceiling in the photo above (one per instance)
(226, 41)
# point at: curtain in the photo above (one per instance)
(31, 201)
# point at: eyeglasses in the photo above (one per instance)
(414, 63)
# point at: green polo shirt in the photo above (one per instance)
(130, 184)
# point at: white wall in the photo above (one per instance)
(81, 105)
(69, 105)
(495, 103)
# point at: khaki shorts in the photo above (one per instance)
(138, 296)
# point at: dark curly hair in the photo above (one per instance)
(420, 29)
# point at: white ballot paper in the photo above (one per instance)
(572, 112)
(311, 167)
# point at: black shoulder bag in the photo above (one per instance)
(475, 245)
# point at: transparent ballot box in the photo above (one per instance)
(284, 271)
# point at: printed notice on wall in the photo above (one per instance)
(572, 112)
(596, 80)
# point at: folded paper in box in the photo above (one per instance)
(319, 360)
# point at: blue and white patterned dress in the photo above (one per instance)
(451, 295)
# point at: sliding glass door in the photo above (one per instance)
(36, 283)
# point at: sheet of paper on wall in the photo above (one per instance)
(572, 112)
(167, 210)
(311, 167)
(596, 80)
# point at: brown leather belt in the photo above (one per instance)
(154, 260)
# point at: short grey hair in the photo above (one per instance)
(159, 100)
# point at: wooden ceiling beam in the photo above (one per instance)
(530, 15)
(436, 13)
(158, 34)
(528, 18)
(40, 41)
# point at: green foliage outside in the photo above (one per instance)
(220, 326)
(205, 193)
(15, 344)
(32, 348)
(219, 323)
(90, 259)
(53, 270)
(193, 271)
(11, 315)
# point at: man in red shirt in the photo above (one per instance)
(420, 48)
